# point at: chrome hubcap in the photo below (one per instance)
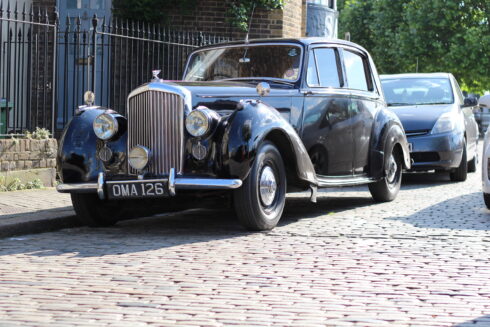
(391, 171)
(267, 186)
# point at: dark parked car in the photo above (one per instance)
(438, 121)
(250, 121)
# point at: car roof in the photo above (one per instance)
(415, 75)
(304, 40)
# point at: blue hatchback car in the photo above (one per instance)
(439, 123)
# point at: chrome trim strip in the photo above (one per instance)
(324, 181)
(180, 183)
(80, 187)
(100, 186)
(207, 184)
(326, 91)
(171, 182)
(409, 134)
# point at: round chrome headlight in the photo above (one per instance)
(138, 157)
(198, 122)
(105, 126)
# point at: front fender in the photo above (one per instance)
(249, 126)
(387, 133)
(77, 160)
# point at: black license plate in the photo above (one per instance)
(137, 189)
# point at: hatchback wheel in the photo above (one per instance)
(459, 174)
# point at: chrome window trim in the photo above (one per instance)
(338, 63)
(299, 45)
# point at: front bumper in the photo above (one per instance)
(174, 183)
(440, 151)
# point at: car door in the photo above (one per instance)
(364, 102)
(326, 132)
(471, 127)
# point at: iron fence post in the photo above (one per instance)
(54, 102)
(94, 51)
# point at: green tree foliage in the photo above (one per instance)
(437, 35)
(240, 11)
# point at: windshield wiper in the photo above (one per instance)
(261, 79)
(433, 103)
(399, 104)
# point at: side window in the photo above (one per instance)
(355, 71)
(458, 94)
(326, 73)
(312, 74)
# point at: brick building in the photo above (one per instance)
(210, 17)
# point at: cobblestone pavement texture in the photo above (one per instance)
(422, 260)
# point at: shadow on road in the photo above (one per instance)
(465, 212)
(480, 321)
(170, 230)
(423, 180)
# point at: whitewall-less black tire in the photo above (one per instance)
(94, 212)
(259, 202)
(486, 198)
(459, 174)
(386, 189)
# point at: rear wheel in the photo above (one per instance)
(459, 174)
(259, 203)
(387, 188)
(94, 212)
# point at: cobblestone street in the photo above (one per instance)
(422, 260)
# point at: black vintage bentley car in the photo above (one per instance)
(249, 122)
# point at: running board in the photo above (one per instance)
(324, 181)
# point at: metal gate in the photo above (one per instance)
(46, 65)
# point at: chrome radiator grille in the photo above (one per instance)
(156, 121)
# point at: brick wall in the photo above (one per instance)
(48, 5)
(27, 154)
(210, 17)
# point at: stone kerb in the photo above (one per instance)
(29, 158)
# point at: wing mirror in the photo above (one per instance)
(470, 102)
(484, 101)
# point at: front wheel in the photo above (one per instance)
(472, 164)
(259, 203)
(94, 212)
(387, 188)
(486, 198)
(459, 174)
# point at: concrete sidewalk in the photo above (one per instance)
(35, 211)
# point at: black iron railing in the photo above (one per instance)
(27, 66)
(46, 65)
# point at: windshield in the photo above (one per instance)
(414, 91)
(245, 62)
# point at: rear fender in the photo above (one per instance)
(387, 133)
